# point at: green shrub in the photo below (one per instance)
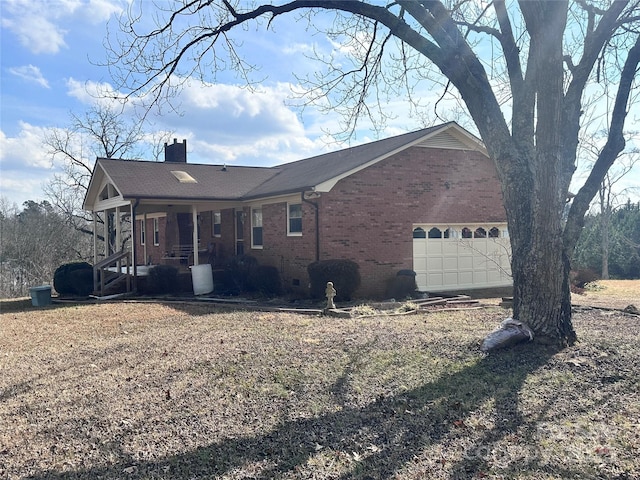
(344, 274)
(579, 278)
(74, 278)
(162, 279)
(403, 285)
(239, 271)
(266, 280)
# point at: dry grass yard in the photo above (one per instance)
(133, 390)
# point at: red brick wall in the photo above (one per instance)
(154, 252)
(369, 216)
(290, 254)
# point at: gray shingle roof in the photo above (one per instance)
(141, 179)
(303, 174)
(154, 180)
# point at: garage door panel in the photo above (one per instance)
(435, 279)
(465, 278)
(448, 247)
(480, 277)
(434, 264)
(451, 278)
(465, 263)
(494, 276)
(480, 261)
(434, 247)
(450, 263)
(479, 246)
(419, 246)
(419, 265)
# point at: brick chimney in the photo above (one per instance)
(176, 152)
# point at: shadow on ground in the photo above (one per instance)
(404, 425)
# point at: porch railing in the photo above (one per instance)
(111, 271)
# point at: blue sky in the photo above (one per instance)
(50, 51)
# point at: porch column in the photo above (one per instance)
(94, 216)
(194, 216)
(144, 229)
(134, 260)
(118, 226)
(106, 233)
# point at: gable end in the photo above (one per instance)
(450, 141)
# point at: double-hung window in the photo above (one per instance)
(156, 232)
(256, 228)
(217, 224)
(294, 219)
(143, 232)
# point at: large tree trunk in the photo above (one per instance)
(540, 264)
(542, 297)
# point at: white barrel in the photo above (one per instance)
(202, 278)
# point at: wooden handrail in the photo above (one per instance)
(115, 260)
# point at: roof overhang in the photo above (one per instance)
(462, 140)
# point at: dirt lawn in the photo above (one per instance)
(610, 293)
(145, 390)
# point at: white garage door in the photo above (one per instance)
(455, 257)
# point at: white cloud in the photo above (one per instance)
(31, 74)
(35, 32)
(24, 163)
(41, 25)
(92, 93)
(99, 11)
(230, 112)
(229, 124)
(298, 48)
(24, 150)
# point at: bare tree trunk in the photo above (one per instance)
(542, 297)
(604, 243)
(605, 224)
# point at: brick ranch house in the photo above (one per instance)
(427, 201)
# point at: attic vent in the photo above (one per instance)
(443, 140)
(183, 177)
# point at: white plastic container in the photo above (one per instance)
(202, 278)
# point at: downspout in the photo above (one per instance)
(315, 206)
(194, 219)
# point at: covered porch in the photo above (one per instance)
(130, 236)
(167, 213)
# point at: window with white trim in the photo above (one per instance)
(143, 231)
(216, 221)
(294, 219)
(156, 232)
(256, 228)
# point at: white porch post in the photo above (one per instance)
(118, 225)
(94, 216)
(106, 233)
(194, 216)
(144, 228)
(134, 260)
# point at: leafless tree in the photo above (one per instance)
(33, 243)
(609, 199)
(526, 100)
(101, 131)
